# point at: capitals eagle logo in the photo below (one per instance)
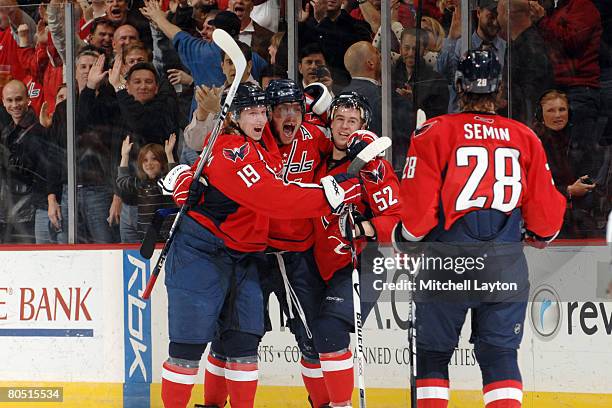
(237, 153)
(375, 176)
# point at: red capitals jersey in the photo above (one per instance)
(380, 199)
(473, 161)
(9, 57)
(244, 192)
(300, 159)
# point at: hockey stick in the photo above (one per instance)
(369, 153)
(357, 315)
(152, 235)
(229, 46)
(412, 331)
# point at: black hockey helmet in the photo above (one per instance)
(478, 72)
(352, 100)
(284, 91)
(247, 95)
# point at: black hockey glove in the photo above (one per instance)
(196, 191)
(350, 224)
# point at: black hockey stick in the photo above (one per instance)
(231, 49)
(152, 235)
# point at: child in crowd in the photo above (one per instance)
(154, 162)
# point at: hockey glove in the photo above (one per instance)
(168, 183)
(350, 224)
(340, 190)
(534, 240)
(196, 191)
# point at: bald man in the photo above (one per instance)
(362, 61)
(124, 35)
(23, 169)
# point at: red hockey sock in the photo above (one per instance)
(339, 377)
(215, 389)
(432, 393)
(241, 380)
(177, 383)
(314, 382)
(503, 394)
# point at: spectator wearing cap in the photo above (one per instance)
(530, 71)
(251, 33)
(362, 60)
(335, 31)
(572, 31)
(486, 35)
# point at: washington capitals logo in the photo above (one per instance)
(420, 131)
(375, 176)
(236, 153)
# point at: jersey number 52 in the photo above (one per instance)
(506, 179)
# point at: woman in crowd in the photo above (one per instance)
(551, 124)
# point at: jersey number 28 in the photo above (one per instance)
(504, 179)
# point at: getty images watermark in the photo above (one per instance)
(475, 274)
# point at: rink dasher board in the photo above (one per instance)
(65, 319)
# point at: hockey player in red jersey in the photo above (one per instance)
(211, 276)
(289, 269)
(476, 177)
(376, 214)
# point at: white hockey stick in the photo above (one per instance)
(412, 331)
(357, 317)
(370, 152)
(231, 49)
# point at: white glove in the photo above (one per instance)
(168, 183)
(333, 193)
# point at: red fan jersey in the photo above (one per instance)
(9, 58)
(380, 198)
(244, 192)
(471, 161)
(300, 160)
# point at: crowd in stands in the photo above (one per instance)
(149, 82)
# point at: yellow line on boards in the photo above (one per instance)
(110, 395)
